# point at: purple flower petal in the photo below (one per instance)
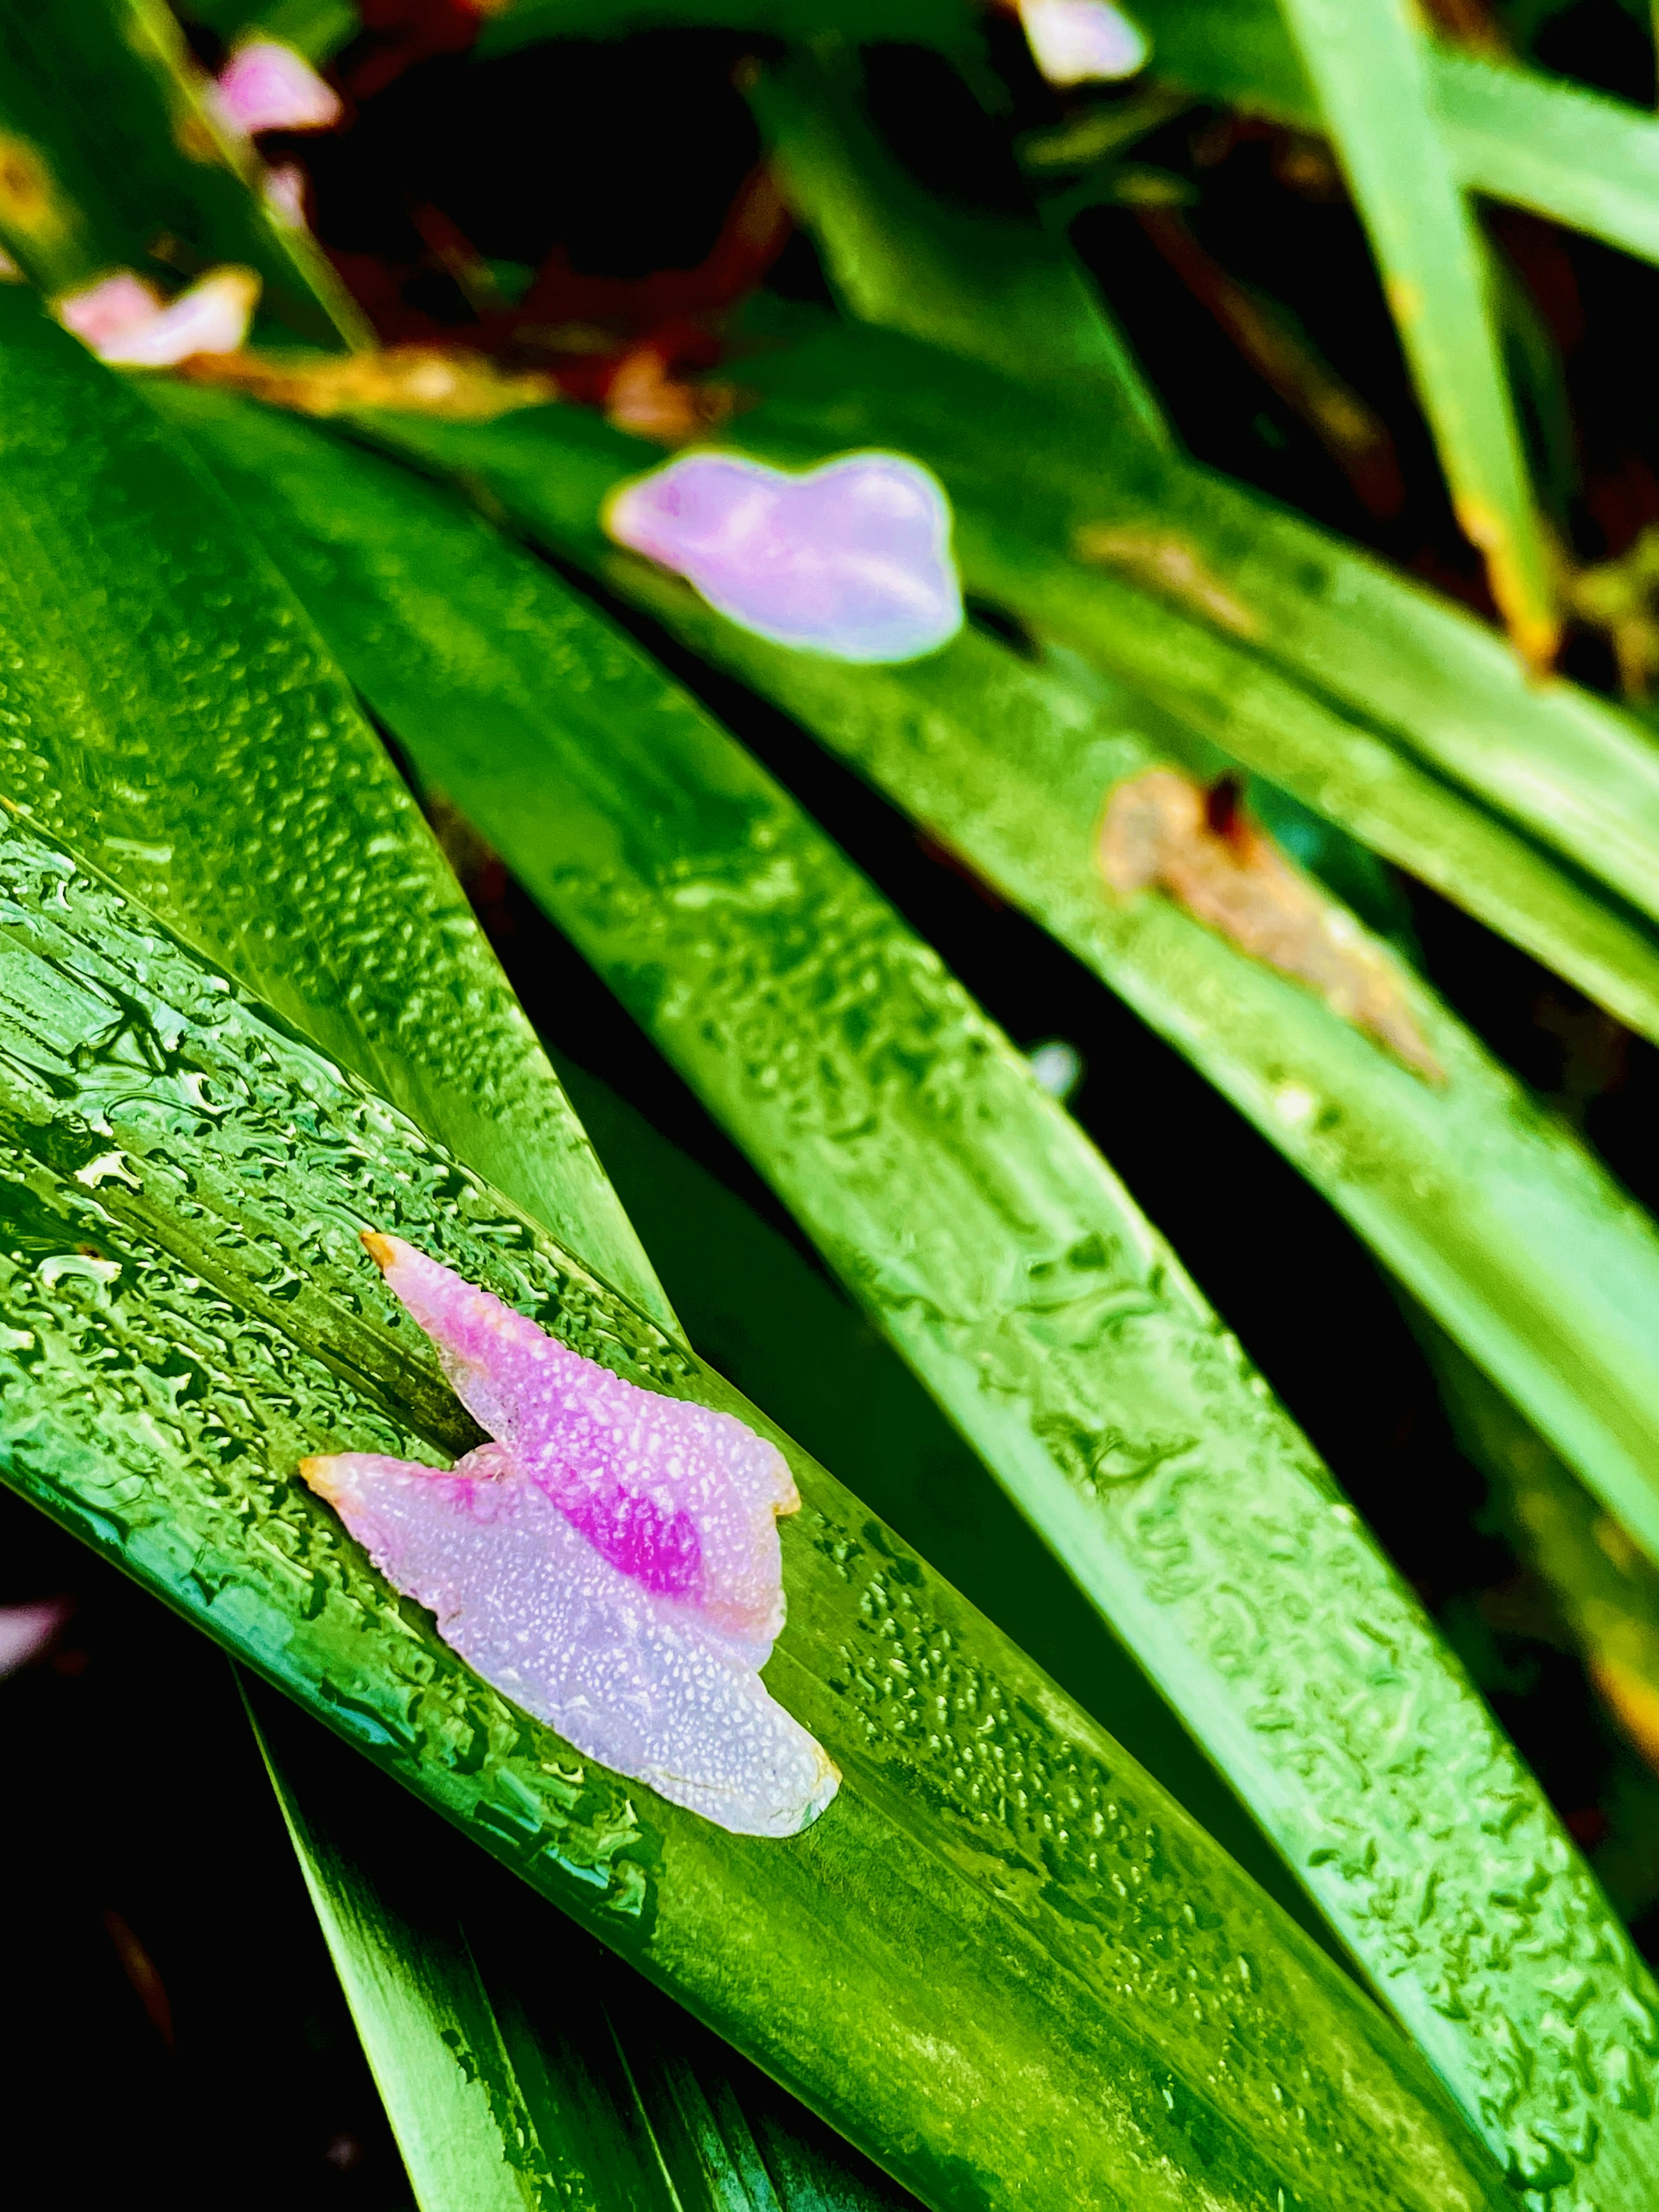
(610, 1560)
(851, 559)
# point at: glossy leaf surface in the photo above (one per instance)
(184, 1324)
(965, 1210)
(1390, 1149)
(522, 2066)
(177, 720)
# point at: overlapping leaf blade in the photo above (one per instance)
(959, 1205)
(1512, 133)
(116, 160)
(524, 2069)
(1071, 2033)
(177, 720)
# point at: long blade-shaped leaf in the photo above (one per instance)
(1512, 132)
(116, 159)
(1289, 609)
(1366, 63)
(996, 291)
(178, 721)
(1392, 1152)
(949, 1964)
(523, 2069)
(468, 2138)
(967, 1211)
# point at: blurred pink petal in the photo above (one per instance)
(211, 316)
(285, 194)
(1083, 41)
(26, 1632)
(851, 559)
(267, 86)
(610, 1561)
(107, 311)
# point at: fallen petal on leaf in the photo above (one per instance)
(1161, 831)
(851, 559)
(109, 309)
(610, 1560)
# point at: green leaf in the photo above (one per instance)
(1321, 659)
(1366, 63)
(995, 290)
(970, 1989)
(968, 1212)
(177, 720)
(521, 2066)
(115, 161)
(1510, 132)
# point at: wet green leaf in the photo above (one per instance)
(972, 1218)
(1003, 2008)
(175, 718)
(524, 2069)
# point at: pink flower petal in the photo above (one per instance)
(1083, 41)
(611, 1561)
(285, 194)
(211, 316)
(851, 559)
(26, 1631)
(107, 310)
(268, 87)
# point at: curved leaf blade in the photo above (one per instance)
(1055, 2045)
(179, 723)
(962, 1208)
(139, 173)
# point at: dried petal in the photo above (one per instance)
(1159, 830)
(1168, 563)
(1082, 41)
(851, 559)
(266, 86)
(452, 385)
(611, 1561)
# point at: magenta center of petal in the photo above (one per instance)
(659, 1550)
